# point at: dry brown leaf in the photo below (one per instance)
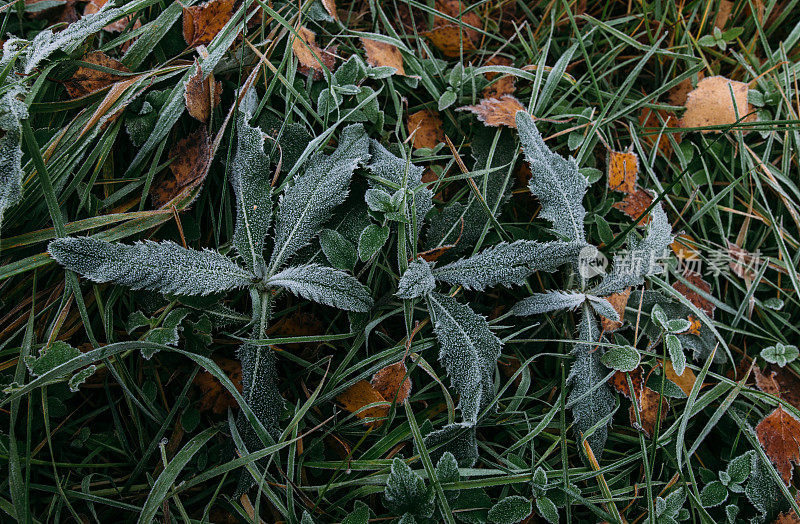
(65, 13)
(634, 204)
(114, 27)
(298, 324)
(455, 8)
(697, 281)
(778, 381)
(503, 85)
(191, 158)
(685, 247)
(363, 394)
(787, 518)
(215, 397)
(652, 119)
(619, 301)
(426, 128)
(309, 54)
(392, 380)
(778, 434)
(710, 103)
(201, 23)
(496, 112)
(649, 407)
(623, 171)
(685, 381)
(330, 7)
(677, 95)
(620, 382)
(382, 54)
(449, 39)
(87, 80)
(723, 13)
(202, 96)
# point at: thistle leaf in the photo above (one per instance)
(468, 351)
(603, 307)
(555, 181)
(417, 280)
(324, 285)
(12, 112)
(590, 397)
(641, 259)
(546, 302)
(507, 264)
(260, 390)
(456, 439)
(310, 202)
(251, 185)
(406, 492)
(165, 267)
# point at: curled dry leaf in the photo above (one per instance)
(623, 171)
(496, 112)
(710, 104)
(383, 54)
(646, 398)
(451, 40)
(310, 55)
(215, 397)
(202, 96)
(694, 297)
(503, 85)
(619, 301)
(778, 381)
(201, 23)
(779, 435)
(392, 380)
(363, 394)
(425, 128)
(87, 80)
(191, 158)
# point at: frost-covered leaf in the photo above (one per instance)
(167, 334)
(621, 358)
(603, 307)
(740, 467)
(406, 492)
(12, 112)
(359, 515)
(310, 202)
(372, 238)
(260, 391)
(80, 377)
(510, 510)
(546, 302)
(447, 472)
(457, 439)
(54, 355)
(763, 492)
(590, 397)
(417, 280)
(547, 509)
(468, 351)
(555, 181)
(642, 257)
(675, 351)
(324, 285)
(250, 179)
(780, 354)
(165, 267)
(339, 251)
(713, 494)
(507, 264)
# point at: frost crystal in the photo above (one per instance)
(165, 267)
(555, 181)
(468, 351)
(417, 280)
(546, 302)
(12, 112)
(324, 285)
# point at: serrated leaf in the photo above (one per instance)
(359, 515)
(547, 509)
(167, 334)
(555, 181)
(310, 202)
(260, 391)
(12, 112)
(546, 302)
(468, 351)
(507, 264)
(591, 404)
(641, 259)
(739, 468)
(621, 358)
(447, 468)
(372, 238)
(324, 285)
(406, 492)
(603, 307)
(338, 250)
(457, 439)
(165, 267)
(80, 377)
(417, 280)
(510, 510)
(250, 179)
(51, 357)
(713, 494)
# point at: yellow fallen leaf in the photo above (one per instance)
(496, 112)
(623, 171)
(710, 104)
(382, 54)
(363, 394)
(425, 127)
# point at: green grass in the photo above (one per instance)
(133, 442)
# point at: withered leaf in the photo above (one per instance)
(202, 96)
(191, 159)
(623, 171)
(685, 381)
(383, 54)
(425, 127)
(363, 394)
(650, 404)
(201, 23)
(503, 85)
(450, 39)
(297, 324)
(392, 380)
(634, 204)
(114, 27)
(710, 103)
(87, 80)
(54, 13)
(781, 382)
(619, 301)
(724, 11)
(310, 55)
(704, 305)
(654, 120)
(496, 112)
(779, 435)
(455, 9)
(215, 397)
(330, 7)
(620, 382)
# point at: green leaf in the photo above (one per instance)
(547, 302)
(621, 358)
(468, 351)
(555, 181)
(416, 281)
(51, 357)
(324, 285)
(603, 307)
(359, 515)
(447, 472)
(510, 510)
(739, 468)
(260, 391)
(713, 494)
(456, 439)
(371, 240)
(547, 509)
(675, 350)
(80, 377)
(780, 354)
(165, 267)
(406, 492)
(447, 99)
(338, 250)
(310, 202)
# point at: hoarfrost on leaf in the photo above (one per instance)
(546, 302)
(406, 492)
(324, 285)
(417, 280)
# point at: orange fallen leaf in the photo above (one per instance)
(654, 120)
(114, 27)
(778, 381)
(310, 55)
(363, 394)
(623, 171)
(634, 204)
(779, 435)
(201, 23)
(619, 301)
(503, 85)
(383, 54)
(392, 380)
(685, 248)
(704, 305)
(677, 95)
(451, 40)
(455, 9)
(202, 95)
(787, 518)
(496, 112)
(330, 7)
(191, 158)
(710, 104)
(694, 325)
(215, 397)
(685, 381)
(650, 404)
(723, 13)
(425, 127)
(620, 382)
(87, 80)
